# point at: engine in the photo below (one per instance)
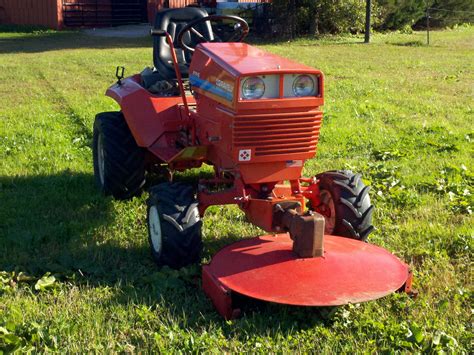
(259, 113)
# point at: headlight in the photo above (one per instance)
(253, 88)
(303, 86)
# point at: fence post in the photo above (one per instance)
(428, 26)
(368, 9)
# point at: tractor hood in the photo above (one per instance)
(241, 59)
(218, 71)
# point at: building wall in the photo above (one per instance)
(49, 13)
(156, 5)
(31, 12)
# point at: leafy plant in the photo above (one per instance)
(9, 281)
(458, 184)
(45, 283)
(25, 337)
(386, 183)
(388, 154)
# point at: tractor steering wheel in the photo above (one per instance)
(241, 28)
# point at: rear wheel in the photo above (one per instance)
(174, 225)
(119, 164)
(345, 204)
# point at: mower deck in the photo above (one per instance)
(266, 268)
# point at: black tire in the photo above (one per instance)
(349, 214)
(174, 225)
(122, 173)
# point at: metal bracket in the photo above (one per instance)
(408, 286)
(220, 295)
(119, 74)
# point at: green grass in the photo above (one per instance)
(396, 110)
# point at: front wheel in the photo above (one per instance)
(345, 204)
(174, 225)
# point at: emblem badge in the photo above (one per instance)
(245, 154)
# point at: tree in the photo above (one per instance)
(396, 14)
(450, 12)
(301, 17)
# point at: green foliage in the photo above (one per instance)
(458, 184)
(403, 14)
(9, 281)
(327, 16)
(451, 12)
(45, 283)
(397, 14)
(386, 184)
(25, 337)
(298, 17)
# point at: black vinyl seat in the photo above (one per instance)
(173, 21)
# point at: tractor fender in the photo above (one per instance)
(148, 116)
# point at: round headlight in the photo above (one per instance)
(253, 88)
(303, 85)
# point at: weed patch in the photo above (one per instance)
(457, 183)
(386, 182)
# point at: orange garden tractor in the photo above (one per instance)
(255, 117)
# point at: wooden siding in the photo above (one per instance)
(31, 12)
(181, 3)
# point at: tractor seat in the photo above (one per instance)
(173, 21)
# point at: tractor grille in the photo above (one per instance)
(282, 133)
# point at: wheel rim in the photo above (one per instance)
(100, 159)
(154, 229)
(328, 210)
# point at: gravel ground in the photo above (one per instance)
(127, 31)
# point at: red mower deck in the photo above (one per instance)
(266, 268)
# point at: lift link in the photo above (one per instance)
(306, 231)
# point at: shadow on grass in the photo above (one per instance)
(44, 41)
(37, 42)
(409, 44)
(53, 223)
(63, 225)
(46, 220)
(301, 42)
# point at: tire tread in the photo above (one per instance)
(351, 201)
(124, 170)
(182, 240)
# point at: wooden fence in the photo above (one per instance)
(31, 12)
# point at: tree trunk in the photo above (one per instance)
(314, 24)
(292, 18)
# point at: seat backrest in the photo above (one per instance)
(173, 21)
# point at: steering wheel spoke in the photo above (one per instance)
(198, 34)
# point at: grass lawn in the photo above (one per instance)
(396, 110)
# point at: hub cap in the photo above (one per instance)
(328, 210)
(154, 228)
(100, 158)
